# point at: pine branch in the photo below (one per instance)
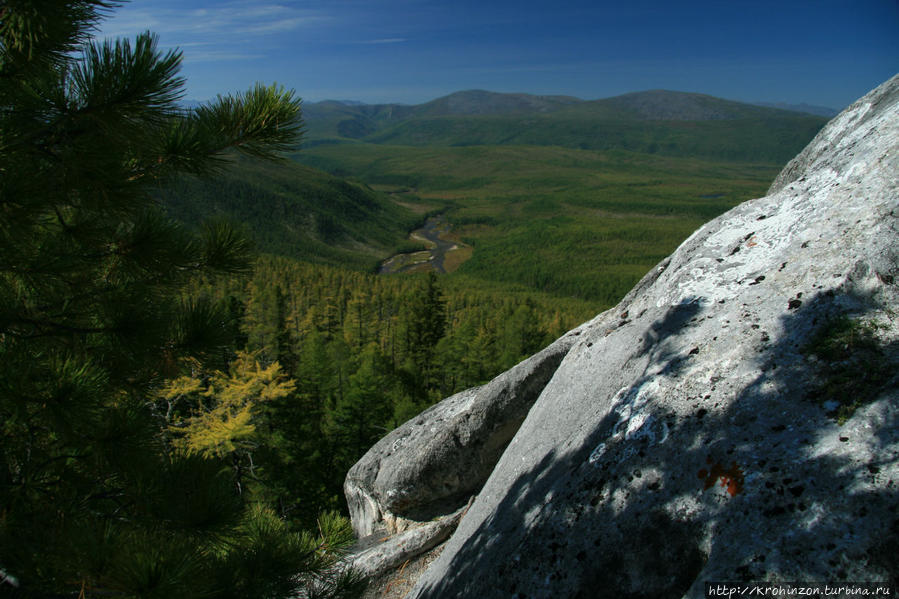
(49, 328)
(91, 317)
(139, 83)
(45, 32)
(263, 122)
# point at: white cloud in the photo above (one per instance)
(185, 25)
(129, 24)
(220, 56)
(389, 40)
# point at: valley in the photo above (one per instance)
(570, 223)
(549, 195)
(553, 194)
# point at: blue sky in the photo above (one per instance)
(824, 52)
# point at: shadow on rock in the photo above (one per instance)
(664, 496)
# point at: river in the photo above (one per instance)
(431, 259)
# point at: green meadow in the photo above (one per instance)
(568, 222)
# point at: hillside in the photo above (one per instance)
(666, 105)
(824, 111)
(296, 211)
(478, 101)
(332, 118)
(749, 139)
(333, 121)
(664, 122)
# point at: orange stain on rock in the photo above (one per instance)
(731, 478)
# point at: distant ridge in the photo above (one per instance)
(656, 104)
(479, 101)
(665, 105)
(655, 122)
(803, 107)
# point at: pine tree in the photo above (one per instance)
(426, 325)
(286, 354)
(363, 414)
(94, 499)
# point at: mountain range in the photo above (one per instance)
(655, 105)
(656, 121)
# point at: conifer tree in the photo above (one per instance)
(224, 407)
(94, 499)
(286, 355)
(426, 326)
(362, 415)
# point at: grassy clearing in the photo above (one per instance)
(455, 258)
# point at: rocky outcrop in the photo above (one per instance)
(379, 553)
(736, 417)
(431, 465)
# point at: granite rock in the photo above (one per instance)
(380, 553)
(432, 464)
(692, 433)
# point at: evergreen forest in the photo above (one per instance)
(364, 353)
